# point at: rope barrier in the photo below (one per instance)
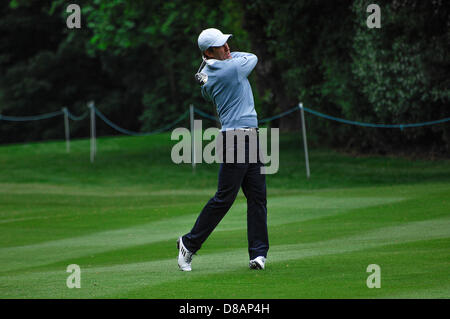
(30, 118)
(94, 111)
(128, 132)
(41, 117)
(77, 118)
(211, 117)
(400, 126)
(337, 119)
(279, 115)
(206, 115)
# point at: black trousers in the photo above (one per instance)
(233, 176)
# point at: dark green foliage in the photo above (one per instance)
(136, 60)
(323, 54)
(403, 69)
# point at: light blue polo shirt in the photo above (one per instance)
(230, 91)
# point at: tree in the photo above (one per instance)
(401, 68)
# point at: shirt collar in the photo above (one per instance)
(211, 61)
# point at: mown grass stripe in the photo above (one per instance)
(283, 210)
(107, 281)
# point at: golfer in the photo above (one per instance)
(225, 84)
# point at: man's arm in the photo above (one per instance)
(245, 62)
(205, 95)
(236, 54)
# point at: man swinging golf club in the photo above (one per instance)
(223, 78)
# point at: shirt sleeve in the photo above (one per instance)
(236, 54)
(205, 94)
(245, 63)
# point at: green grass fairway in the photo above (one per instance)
(119, 218)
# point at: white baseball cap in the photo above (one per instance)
(212, 38)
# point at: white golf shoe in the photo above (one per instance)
(184, 256)
(257, 263)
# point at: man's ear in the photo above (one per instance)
(208, 53)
